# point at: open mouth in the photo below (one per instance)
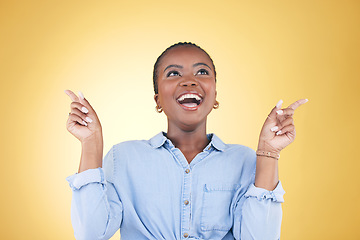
(189, 100)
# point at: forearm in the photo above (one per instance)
(266, 176)
(91, 153)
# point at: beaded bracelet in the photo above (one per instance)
(268, 154)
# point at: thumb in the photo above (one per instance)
(272, 115)
(81, 97)
(84, 101)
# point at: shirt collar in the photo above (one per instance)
(216, 142)
(159, 139)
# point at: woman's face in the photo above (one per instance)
(186, 85)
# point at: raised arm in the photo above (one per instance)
(84, 124)
(96, 210)
(258, 212)
(277, 132)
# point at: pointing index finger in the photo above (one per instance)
(298, 103)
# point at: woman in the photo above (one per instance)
(185, 183)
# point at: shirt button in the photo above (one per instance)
(186, 202)
(187, 170)
(186, 235)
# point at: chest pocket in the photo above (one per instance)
(216, 213)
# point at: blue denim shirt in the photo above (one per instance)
(149, 190)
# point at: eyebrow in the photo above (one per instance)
(197, 64)
(179, 66)
(173, 65)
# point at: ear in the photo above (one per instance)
(156, 98)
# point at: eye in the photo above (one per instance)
(173, 73)
(203, 72)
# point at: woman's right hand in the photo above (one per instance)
(83, 121)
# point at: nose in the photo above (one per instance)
(190, 82)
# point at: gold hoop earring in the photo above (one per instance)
(216, 105)
(158, 109)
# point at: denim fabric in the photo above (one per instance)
(149, 190)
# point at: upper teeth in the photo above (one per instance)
(189, 95)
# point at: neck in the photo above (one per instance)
(190, 140)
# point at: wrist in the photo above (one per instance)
(264, 146)
(261, 153)
(92, 152)
(94, 139)
(93, 147)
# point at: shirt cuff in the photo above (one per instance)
(260, 193)
(77, 180)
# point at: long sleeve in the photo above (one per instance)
(258, 214)
(150, 191)
(96, 210)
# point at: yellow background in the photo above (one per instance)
(263, 51)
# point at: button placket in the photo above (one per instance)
(187, 179)
(185, 221)
(186, 189)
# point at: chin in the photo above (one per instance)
(190, 123)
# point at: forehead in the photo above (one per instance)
(184, 55)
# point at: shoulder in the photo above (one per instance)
(238, 154)
(131, 145)
(246, 154)
(238, 148)
(122, 154)
(139, 145)
(245, 160)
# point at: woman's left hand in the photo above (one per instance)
(278, 130)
